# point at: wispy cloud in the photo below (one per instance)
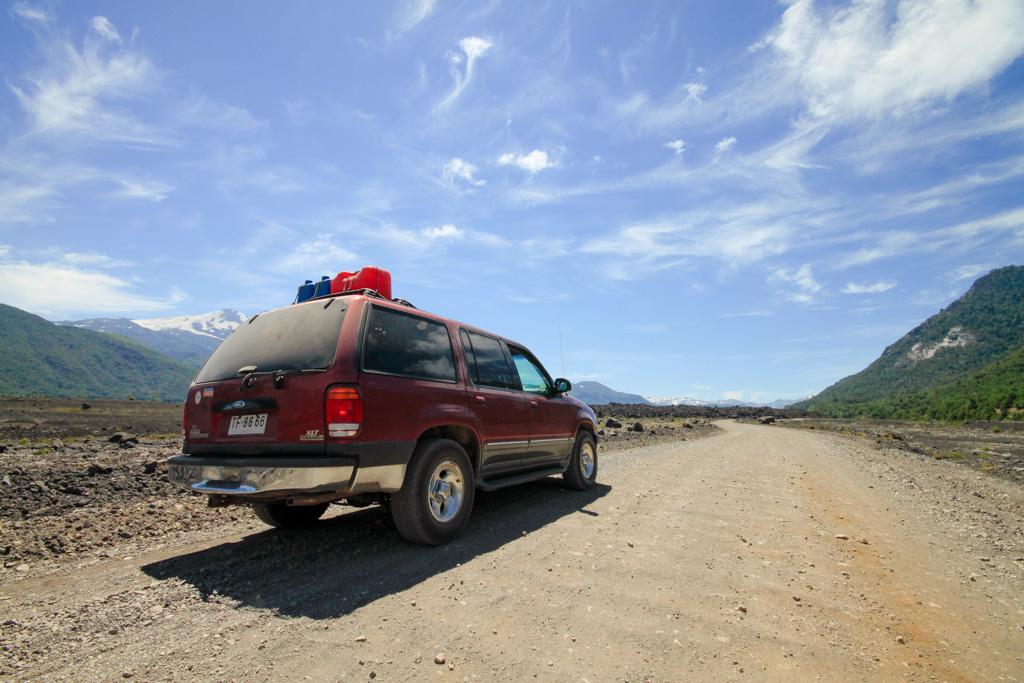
(802, 278)
(747, 314)
(969, 272)
(74, 286)
(725, 144)
(868, 287)
(463, 66)
(140, 189)
(412, 12)
(30, 12)
(86, 91)
(862, 61)
(458, 169)
(105, 29)
(678, 146)
(532, 162)
(322, 253)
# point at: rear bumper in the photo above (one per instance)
(367, 468)
(261, 478)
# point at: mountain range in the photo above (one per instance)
(966, 362)
(190, 338)
(596, 393)
(45, 359)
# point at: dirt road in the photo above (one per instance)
(761, 553)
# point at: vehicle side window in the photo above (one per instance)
(401, 344)
(467, 347)
(489, 366)
(531, 374)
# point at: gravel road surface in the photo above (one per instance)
(759, 553)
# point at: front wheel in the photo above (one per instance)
(435, 501)
(582, 471)
(285, 516)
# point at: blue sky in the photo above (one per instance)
(731, 199)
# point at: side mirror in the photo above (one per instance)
(562, 385)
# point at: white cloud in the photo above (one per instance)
(533, 162)
(802, 278)
(678, 146)
(868, 287)
(733, 395)
(141, 189)
(696, 90)
(413, 12)
(734, 235)
(970, 272)
(30, 12)
(17, 201)
(444, 232)
(105, 29)
(82, 91)
(725, 144)
(747, 314)
(316, 255)
(71, 291)
(872, 59)
(472, 48)
(94, 259)
(460, 169)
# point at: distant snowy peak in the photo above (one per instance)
(216, 324)
(675, 401)
(721, 403)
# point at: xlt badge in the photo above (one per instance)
(312, 435)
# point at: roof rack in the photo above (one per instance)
(372, 293)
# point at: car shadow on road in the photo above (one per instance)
(353, 559)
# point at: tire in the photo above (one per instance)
(289, 517)
(582, 471)
(436, 499)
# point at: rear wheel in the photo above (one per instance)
(582, 471)
(435, 501)
(289, 516)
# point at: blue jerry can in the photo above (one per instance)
(323, 288)
(305, 292)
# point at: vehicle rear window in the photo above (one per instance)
(300, 337)
(408, 345)
(488, 365)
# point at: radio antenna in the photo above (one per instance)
(561, 349)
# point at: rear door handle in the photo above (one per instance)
(534, 403)
(482, 400)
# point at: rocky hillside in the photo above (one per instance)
(934, 362)
(44, 359)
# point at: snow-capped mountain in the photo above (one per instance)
(191, 338)
(217, 324)
(675, 401)
(719, 403)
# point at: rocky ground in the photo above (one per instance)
(618, 429)
(92, 493)
(995, 448)
(759, 553)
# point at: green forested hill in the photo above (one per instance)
(936, 363)
(41, 358)
(994, 392)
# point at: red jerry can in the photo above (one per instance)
(367, 277)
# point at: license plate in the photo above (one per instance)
(243, 425)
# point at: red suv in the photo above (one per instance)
(359, 399)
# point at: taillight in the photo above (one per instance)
(184, 418)
(343, 411)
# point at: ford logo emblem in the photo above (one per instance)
(238, 404)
